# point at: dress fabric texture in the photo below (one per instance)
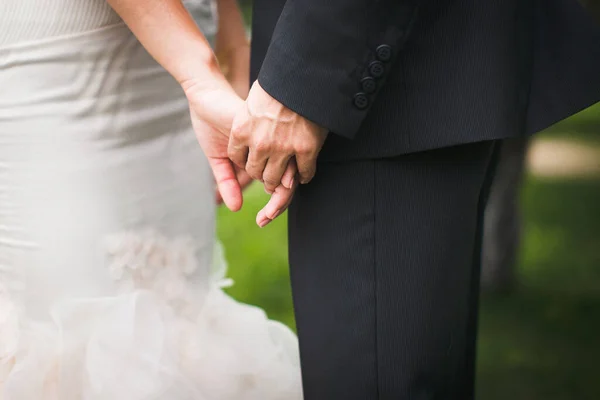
(110, 275)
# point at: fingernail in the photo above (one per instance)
(264, 223)
(291, 184)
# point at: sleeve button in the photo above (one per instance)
(368, 85)
(376, 69)
(361, 101)
(384, 53)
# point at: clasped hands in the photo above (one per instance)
(257, 139)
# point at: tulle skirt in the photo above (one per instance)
(145, 344)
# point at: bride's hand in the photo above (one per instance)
(244, 180)
(181, 48)
(212, 108)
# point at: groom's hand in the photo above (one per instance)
(266, 136)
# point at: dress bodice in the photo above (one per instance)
(32, 20)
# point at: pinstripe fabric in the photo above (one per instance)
(459, 80)
(382, 267)
(468, 70)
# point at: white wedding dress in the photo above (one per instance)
(109, 285)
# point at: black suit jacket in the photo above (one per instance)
(389, 77)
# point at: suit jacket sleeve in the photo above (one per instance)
(328, 58)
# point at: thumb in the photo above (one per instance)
(227, 182)
(243, 179)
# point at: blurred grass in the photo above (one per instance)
(540, 342)
(543, 341)
(257, 257)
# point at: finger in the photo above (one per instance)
(262, 219)
(237, 147)
(255, 166)
(274, 170)
(277, 213)
(307, 166)
(278, 203)
(237, 152)
(289, 176)
(227, 183)
(243, 179)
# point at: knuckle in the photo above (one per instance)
(304, 149)
(239, 133)
(271, 182)
(288, 148)
(233, 154)
(254, 175)
(263, 147)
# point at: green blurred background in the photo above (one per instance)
(541, 340)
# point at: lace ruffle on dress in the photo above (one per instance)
(161, 337)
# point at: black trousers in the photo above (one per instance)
(385, 259)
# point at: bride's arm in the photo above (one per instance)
(168, 32)
(232, 47)
(170, 35)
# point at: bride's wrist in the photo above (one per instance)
(213, 101)
(205, 84)
(207, 80)
(199, 69)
